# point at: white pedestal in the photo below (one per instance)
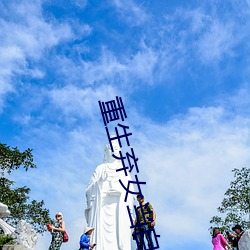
(13, 247)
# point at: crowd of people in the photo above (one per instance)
(219, 241)
(145, 220)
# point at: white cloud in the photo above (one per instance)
(105, 69)
(199, 34)
(80, 3)
(239, 101)
(187, 164)
(131, 12)
(122, 71)
(80, 102)
(198, 19)
(25, 35)
(10, 58)
(217, 42)
(31, 33)
(143, 63)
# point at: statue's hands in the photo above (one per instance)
(153, 223)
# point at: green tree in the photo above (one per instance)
(235, 207)
(17, 199)
(6, 239)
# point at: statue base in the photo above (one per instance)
(12, 247)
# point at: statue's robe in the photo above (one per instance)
(244, 242)
(106, 210)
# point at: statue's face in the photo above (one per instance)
(116, 149)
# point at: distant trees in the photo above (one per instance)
(235, 207)
(17, 199)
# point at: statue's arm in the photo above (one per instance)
(93, 186)
(90, 191)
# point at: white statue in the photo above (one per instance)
(244, 242)
(106, 210)
(25, 235)
(4, 212)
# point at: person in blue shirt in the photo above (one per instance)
(84, 240)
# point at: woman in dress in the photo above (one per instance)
(56, 231)
(218, 240)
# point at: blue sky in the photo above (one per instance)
(182, 70)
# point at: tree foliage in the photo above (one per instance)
(235, 207)
(6, 240)
(17, 199)
(11, 159)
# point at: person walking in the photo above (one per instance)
(218, 240)
(85, 239)
(56, 231)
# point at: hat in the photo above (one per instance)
(237, 227)
(87, 229)
(59, 213)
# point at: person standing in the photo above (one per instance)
(144, 209)
(239, 231)
(218, 240)
(85, 239)
(56, 231)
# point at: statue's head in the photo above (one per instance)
(4, 212)
(108, 152)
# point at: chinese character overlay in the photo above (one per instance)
(132, 182)
(110, 110)
(139, 237)
(118, 136)
(139, 224)
(129, 156)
